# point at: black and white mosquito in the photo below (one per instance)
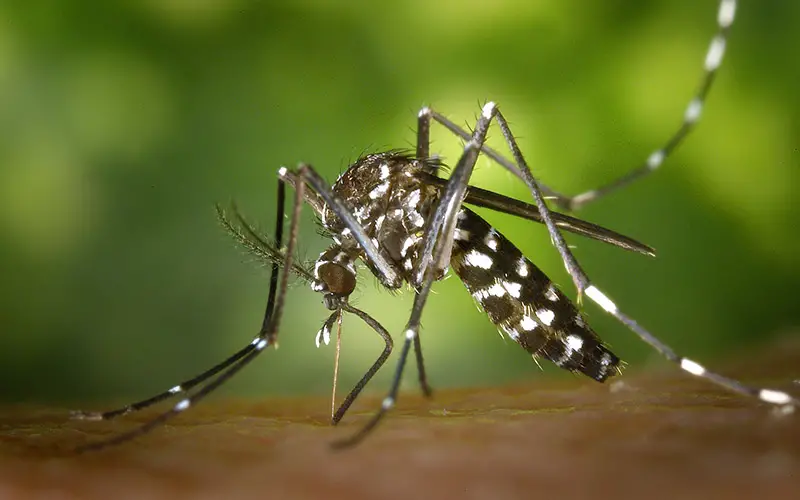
(394, 213)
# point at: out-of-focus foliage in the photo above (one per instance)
(121, 124)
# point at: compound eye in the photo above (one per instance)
(338, 279)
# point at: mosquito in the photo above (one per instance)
(392, 212)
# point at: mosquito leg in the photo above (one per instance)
(585, 286)
(387, 350)
(424, 134)
(423, 153)
(779, 398)
(712, 62)
(174, 391)
(428, 114)
(266, 337)
(427, 390)
(187, 385)
(438, 244)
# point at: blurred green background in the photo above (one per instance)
(122, 126)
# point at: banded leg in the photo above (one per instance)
(267, 336)
(713, 59)
(187, 385)
(181, 388)
(387, 350)
(712, 62)
(585, 286)
(438, 246)
(781, 399)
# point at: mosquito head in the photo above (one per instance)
(335, 279)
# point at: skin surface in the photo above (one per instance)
(659, 435)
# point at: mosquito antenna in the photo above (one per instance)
(297, 267)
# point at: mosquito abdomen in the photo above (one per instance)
(522, 301)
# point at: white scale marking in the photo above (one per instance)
(655, 159)
(418, 221)
(496, 290)
(413, 198)
(317, 265)
(461, 235)
(774, 397)
(182, 405)
(490, 240)
(379, 191)
(715, 52)
(477, 259)
(528, 323)
(727, 11)
(693, 111)
(410, 241)
(488, 109)
(574, 343)
(600, 298)
(261, 344)
(522, 267)
(546, 315)
(513, 289)
(176, 389)
(384, 171)
(325, 334)
(692, 367)
(551, 294)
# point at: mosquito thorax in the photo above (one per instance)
(392, 203)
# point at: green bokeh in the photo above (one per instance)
(121, 127)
